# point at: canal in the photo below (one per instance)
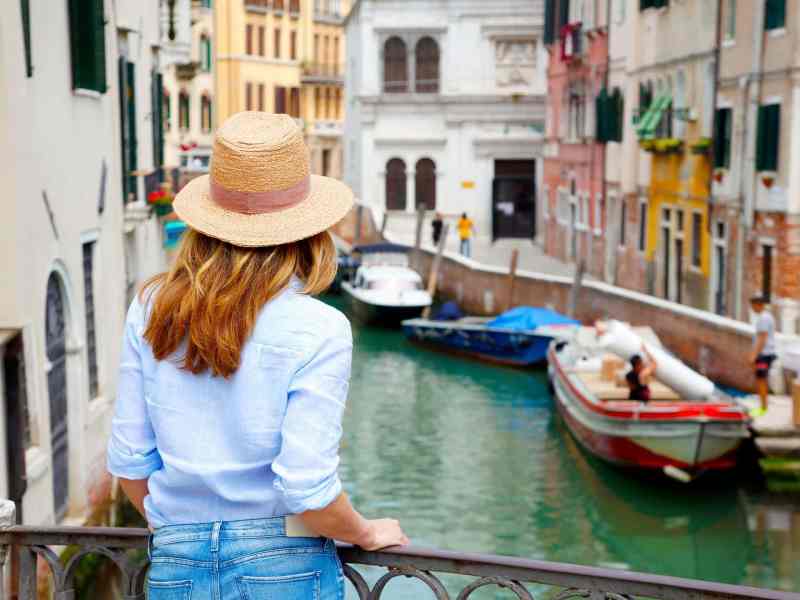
(475, 458)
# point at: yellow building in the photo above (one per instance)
(285, 56)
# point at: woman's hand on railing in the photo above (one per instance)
(384, 533)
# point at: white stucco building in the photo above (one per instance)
(76, 237)
(445, 107)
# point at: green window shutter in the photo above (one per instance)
(549, 22)
(99, 49)
(722, 139)
(617, 109)
(768, 137)
(25, 9)
(601, 116)
(133, 144)
(123, 116)
(157, 98)
(775, 17)
(563, 15)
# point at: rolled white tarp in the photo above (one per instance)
(621, 340)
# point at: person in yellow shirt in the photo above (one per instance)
(465, 230)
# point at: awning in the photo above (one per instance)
(646, 129)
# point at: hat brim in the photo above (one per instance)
(327, 203)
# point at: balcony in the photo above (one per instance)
(125, 547)
(259, 6)
(329, 18)
(186, 71)
(571, 41)
(322, 73)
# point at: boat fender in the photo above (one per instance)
(677, 474)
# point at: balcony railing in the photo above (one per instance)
(519, 576)
(317, 72)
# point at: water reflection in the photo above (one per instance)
(474, 458)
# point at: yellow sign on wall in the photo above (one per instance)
(468, 185)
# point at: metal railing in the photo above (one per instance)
(330, 72)
(124, 546)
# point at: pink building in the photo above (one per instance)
(582, 114)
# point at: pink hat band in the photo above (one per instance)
(256, 203)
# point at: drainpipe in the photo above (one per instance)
(715, 96)
(751, 96)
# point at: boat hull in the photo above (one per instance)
(695, 444)
(381, 314)
(519, 349)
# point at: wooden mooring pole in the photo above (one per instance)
(512, 276)
(433, 276)
(576, 288)
(420, 221)
(384, 222)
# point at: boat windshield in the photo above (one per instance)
(398, 285)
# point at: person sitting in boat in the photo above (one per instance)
(639, 376)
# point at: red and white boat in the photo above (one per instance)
(668, 433)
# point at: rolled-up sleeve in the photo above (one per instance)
(132, 451)
(306, 467)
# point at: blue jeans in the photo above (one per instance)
(465, 247)
(242, 560)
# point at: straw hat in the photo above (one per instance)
(259, 191)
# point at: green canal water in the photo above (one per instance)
(472, 457)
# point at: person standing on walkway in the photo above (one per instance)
(764, 351)
(465, 231)
(436, 228)
(233, 381)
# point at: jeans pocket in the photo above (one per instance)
(169, 590)
(303, 586)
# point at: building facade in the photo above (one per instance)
(285, 56)
(582, 116)
(697, 194)
(188, 110)
(77, 237)
(425, 126)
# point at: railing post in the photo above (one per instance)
(8, 517)
(27, 573)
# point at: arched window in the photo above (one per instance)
(183, 111)
(205, 113)
(205, 52)
(425, 184)
(395, 66)
(427, 75)
(395, 184)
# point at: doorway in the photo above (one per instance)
(718, 269)
(766, 272)
(56, 344)
(514, 199)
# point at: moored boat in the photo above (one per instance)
(670, 433)
(519, 337)
(385, 291)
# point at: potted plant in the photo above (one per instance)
(768, 179)
(161, 200)
(719, 174)
(701, 146)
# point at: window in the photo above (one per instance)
(610, 116)
(722, 141)
(280, 100)
(183, 111)
(25, 9)
(336, 50)
(697, 239)
(395, 184)
(327, 103)
(768, 137)
(766, 272)
(623, 217)
(325, 47)
(277, 47)
(205, 53)
(427, 73)
(576, 114)
(775, 17)
(127, 105)
(730, 19)
(316, 48)
(326, 162)
(395, 67)
(556, 15)
(294, 102)
(318, 103)
(262, 41)
(293, 45)
(425, 184)
(642, 225)
(166, 110)
(205, 113)
(261, 97)
(248, 39)
(338, 114)
(87, 44)
(88, 305)
(157, 118)
(645, 4)
(248, 96)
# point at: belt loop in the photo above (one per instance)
(215, 536)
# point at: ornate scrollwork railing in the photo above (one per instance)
(523, 578)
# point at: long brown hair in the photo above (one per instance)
(211, 297)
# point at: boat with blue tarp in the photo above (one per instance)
(518, 337)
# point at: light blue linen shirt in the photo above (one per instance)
(263, 443)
